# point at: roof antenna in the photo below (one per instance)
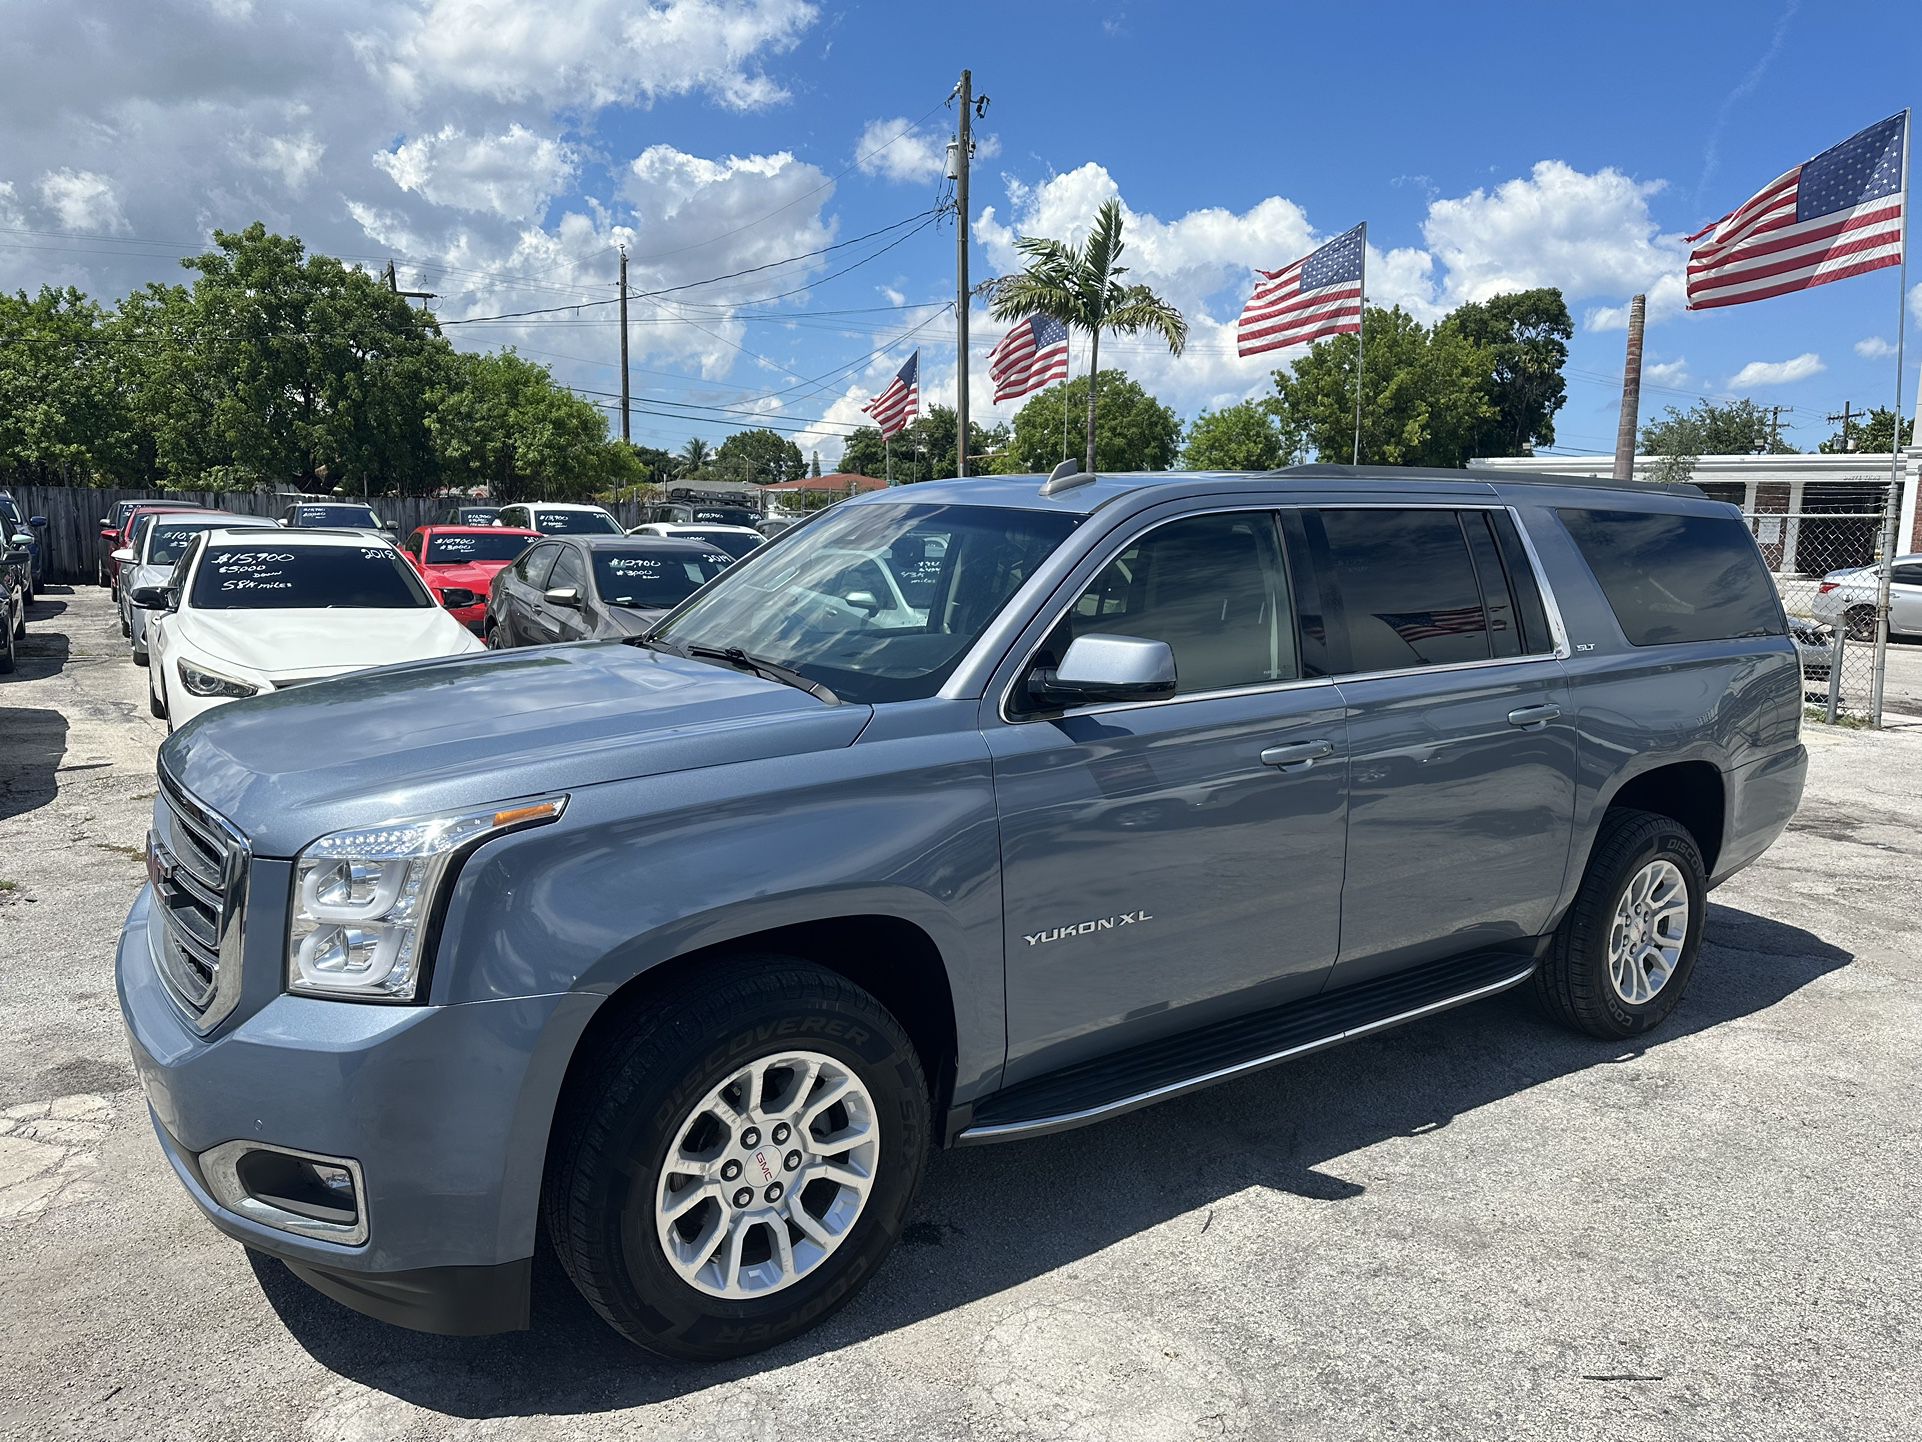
(1065, 477)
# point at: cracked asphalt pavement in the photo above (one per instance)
(1478, 1225)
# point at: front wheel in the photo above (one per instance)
(737, 1158)
(9, 646)
(1621, 958)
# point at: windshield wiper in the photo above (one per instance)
(740, 660)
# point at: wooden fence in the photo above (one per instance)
(71, 550)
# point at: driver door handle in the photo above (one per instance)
(1297, 755)
(1533, 718)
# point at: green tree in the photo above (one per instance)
(814, 464)
(694, 456)
(1526, 335)
(1710, 428)
(1875, 431)
(865, 453)
(1080, 286)
(760, 456)
(1424, 395)
(1136, 432)
(1241, 437)
(63, 416)
(501, 422)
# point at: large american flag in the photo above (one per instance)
(901, 401)
(1032, 355)
(1318, 295)
(1832, 217)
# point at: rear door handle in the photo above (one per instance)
(1533, 718)
(1297, 755)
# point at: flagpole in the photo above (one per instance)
(887, 452)
(1892, 507)
(1361, 329)
(1066, 376)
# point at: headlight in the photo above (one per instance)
(363, 899)
(211, 683)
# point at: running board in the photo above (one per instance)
(1188, 1061)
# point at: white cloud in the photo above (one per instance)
(1776, 373)
(82, 200)
(1874, 348)
(1667, 373)
(896, 150)
(512, 174)
(595, 52)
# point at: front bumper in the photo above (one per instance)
(445, 1108)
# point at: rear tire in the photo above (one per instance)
(8, 647)
(1860, 622)
(646, 1092)
(1615, 967)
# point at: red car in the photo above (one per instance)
(456, 559)
(123, 538)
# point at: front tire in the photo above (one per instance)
(674, 1209)
(1621, 959)
(156, 706)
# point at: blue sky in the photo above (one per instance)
(501, 150)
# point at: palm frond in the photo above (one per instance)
(1138, 308)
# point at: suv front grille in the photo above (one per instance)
(198, 864)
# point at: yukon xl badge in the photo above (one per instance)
(1082, 928)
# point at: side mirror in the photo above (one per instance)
(455, 597)
(105, 522)
(124, 555)
(20, 538)
(1100, 669)
(150, 598)
(863, 601)
(567, 597)
(39, 523)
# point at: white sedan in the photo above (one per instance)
(245, 614)
(1847, 598)
(737, 541)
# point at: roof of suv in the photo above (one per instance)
(1088, 493)
(556, 506)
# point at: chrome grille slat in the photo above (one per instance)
(201, 886)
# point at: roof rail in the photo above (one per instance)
(1065, 477)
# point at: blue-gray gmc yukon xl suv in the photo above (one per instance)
(963, 812)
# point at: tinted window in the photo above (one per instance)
(1537, 637)
(1675, 578)
(458, 550)
(534, 566)
(576, 523)
(655, 579)
(780, 604)
(721, 516)
(568, 571)
(360, 516)
(1408, 588)
(167, 541)
(1212, 587)
(261, 576)
(734, 543)
(1906, 576)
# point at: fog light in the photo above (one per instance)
(292, 1191)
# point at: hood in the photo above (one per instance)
(475, 576)
(375, 746)
(301, 642)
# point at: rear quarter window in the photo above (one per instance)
(1671, 579)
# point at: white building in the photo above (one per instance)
(1811, 514)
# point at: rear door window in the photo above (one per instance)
(1677, 578)
(1410, 595)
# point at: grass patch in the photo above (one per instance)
(6, 886)
(1844, 720)
(132, 853)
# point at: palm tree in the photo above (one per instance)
(1079, 286)
(695, 454)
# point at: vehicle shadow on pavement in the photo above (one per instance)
(991, 1218)
(39, 654)
(32, 742)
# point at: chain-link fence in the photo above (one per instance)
(1822, 540)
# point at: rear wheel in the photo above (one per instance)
(737, 1158)
(1622, 957)
(7, 648)
(1860, 621)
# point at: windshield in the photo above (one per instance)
(655, 578)
(475, 515)
(829, 601)
(576, 523)
(167, 539)
(362, 516)
(460, 550)
(721, 516)
(235, 578)
(734, 543)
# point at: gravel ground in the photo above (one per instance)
(1475, 1226)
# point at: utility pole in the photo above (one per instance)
(393, 284)
(1847, 417)
(624, 395)
(1631, 392)
(963, 153)
(1775, 426)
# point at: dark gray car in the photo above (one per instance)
(580, 588)
(679, 955)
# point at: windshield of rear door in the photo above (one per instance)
(357, 517)
(266, 576)
(655, 578)
(576, 523)
(459, 550)
(878, 602)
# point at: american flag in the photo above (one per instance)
(901, 401)
(1032, 355)
(1832, 217)
(1318, 295)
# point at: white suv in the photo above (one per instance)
(560, 518)
(246, 613)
